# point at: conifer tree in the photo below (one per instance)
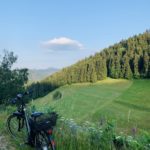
(148, 74)
(98, 67)
(93, 76)
(88, 72)
(136, 66)
(145, 64)
(103, 69)
(115, 67)
(127, 73)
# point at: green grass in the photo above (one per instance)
(123, 101)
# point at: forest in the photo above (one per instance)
(127, 59)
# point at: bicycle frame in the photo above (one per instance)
(23, 114)
(27, 121)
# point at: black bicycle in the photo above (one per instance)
(36, 129)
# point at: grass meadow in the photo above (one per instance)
(125, 102)
(112, 114)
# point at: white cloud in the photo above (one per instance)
(61, 44)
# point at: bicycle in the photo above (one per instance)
(38, 132)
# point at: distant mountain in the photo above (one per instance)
(39, 74)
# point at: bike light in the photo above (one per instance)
(52, 142)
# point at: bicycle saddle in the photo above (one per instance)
(36, 114)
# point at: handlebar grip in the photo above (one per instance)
(28, 92)
(19, 96)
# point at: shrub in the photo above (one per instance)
(57, 95)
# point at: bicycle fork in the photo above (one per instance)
(27, 122)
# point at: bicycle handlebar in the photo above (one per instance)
(20, 97)
(13, 101)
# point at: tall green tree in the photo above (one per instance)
(115, 67)
(145, 64)
(136, 66)
(11, 81)
(126, 70)
(148, 74)
(93, 75)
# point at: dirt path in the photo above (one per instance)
(4, 144)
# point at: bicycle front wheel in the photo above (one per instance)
(17, 127)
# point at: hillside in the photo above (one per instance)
(126, 102)
(127, 59)
(39, 74)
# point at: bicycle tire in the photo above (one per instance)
(43, 142)
(13, 127)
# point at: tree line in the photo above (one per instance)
(126, 59)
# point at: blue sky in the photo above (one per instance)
(57, 33)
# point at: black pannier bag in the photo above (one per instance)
(44, 122)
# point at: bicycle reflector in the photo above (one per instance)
(50, 131)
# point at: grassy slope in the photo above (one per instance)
(127, 102)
